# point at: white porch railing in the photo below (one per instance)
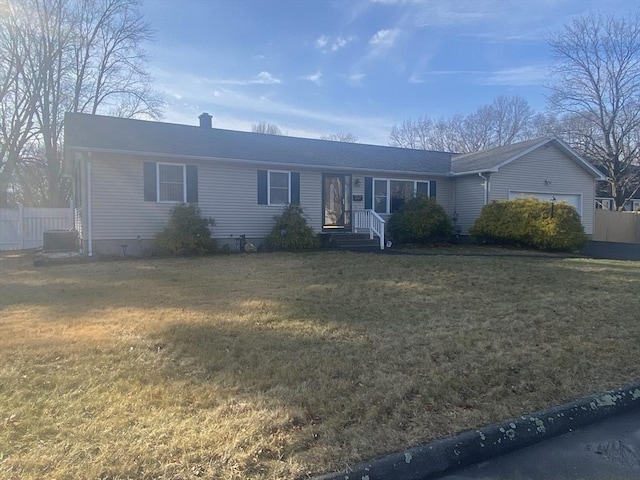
(371, 221)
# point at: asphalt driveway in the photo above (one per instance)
(609, 449)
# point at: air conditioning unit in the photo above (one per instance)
(60, 241)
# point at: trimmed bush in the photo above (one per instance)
(186, 233)
(420, 220)
(291, 232)
(527, 222)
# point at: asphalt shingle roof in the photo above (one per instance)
(95, 132)
(489, 159)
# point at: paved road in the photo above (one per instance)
(608, 450)
(613, 251)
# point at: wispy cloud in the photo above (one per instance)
(527, 75)
(523, 76)
(355, 79)
(230, 102)
(383, 40)
(262, 78)
(415, 78)
(313, 78)
(326, 43)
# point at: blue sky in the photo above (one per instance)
(316, 67)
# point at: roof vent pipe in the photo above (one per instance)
(205, 120)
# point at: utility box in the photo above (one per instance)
(60, 241)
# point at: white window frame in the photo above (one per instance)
(635, 205)
(389, 180)
(533, 194)
(184, 182)
(604, 203)
(269, 187)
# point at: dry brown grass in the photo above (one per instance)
(279, 365)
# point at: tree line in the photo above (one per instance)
(60, 56)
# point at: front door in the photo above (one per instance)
(336, 199)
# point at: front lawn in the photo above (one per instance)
(281, 365)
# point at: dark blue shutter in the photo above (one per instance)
(150, 184)
(368, 193)
(422, 189)
(432, 188)
(295, 188)
(192, 184)
(262, 187)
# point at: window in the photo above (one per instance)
(171, 184)
(279, 187)
(390, 195)
(380, 189)
(603, 203)
(635, 206)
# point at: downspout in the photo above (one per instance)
(486, 187)
(89, 213)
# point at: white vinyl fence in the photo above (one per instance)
(23, 227)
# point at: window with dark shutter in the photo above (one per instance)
(170, 182)
(192, 184)
(276, 187)
(432, 188)
(368, 193)
(422, 188)
(150, 182)
(295, 188)
(262, 187)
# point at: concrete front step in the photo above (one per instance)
(354, 241)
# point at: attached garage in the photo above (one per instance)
(574, 199)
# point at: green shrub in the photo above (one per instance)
(420, 220)
(291, 232)
(186, 233)
(527, 222)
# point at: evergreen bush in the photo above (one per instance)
(186, 233)
(527, 222)
(291, 231)
(420, 220)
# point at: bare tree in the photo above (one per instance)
(84, 56)
(268, 128)
(345, 137)
(412, 134)
(505, 121)
(598, 89)
(18, 100)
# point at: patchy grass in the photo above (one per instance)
(282, 365)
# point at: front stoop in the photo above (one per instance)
(357, 242)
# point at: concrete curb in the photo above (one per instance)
(433, 459)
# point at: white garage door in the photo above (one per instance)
(549, 197)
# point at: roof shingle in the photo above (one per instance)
(95, 132)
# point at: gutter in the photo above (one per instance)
(89, 213)
(487, 187)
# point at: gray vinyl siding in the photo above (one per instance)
(528, 174)
(118, 208)
(227, 193)
(469, 200)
